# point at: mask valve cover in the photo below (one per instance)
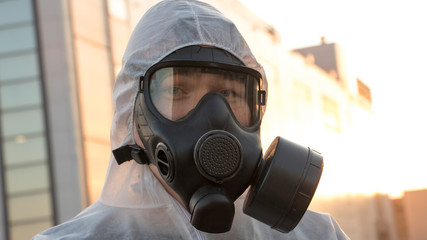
(218, 156)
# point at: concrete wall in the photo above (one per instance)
(63, 111)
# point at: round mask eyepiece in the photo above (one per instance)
(164, 161)
(218, 156)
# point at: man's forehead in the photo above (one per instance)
(211, 79)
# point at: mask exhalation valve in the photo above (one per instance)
(218, 156)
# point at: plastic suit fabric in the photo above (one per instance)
(133, 204)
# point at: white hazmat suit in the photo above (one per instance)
(134, 204)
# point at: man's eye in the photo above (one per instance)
(177, 91)
(228, 93)
(170, 93)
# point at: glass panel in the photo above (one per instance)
(88, 20)
(24, 150)
(29, 207)
(96, 168)
(20, 95)
(23, 142)
(19, 180)
(27, 231)
(118, 9)
(22, 123)
(17, 39)
(92, 79)
(15, 12)
(17, 67)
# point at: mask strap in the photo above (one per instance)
(129, 152)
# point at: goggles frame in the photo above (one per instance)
(144, 82)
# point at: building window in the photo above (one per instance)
(331, 114)
(26, 185)
(364, 90)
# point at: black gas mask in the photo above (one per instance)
(198, 114)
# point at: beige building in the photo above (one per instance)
(411, 214)
(362, 217)
(376, 216)
(58, 61)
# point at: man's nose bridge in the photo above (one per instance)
(204, 91)
(215, 108)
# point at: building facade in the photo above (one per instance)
(27, 189)
(361, 216)
(411, 213)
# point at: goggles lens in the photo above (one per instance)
(175, 91)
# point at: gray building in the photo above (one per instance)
(27, 191)
(329, 57)
(42, 182)
(361, 216)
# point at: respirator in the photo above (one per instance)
(198, 114)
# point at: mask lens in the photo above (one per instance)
(175, 91)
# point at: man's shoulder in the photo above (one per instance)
(316, 225)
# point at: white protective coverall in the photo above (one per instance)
(134, 204)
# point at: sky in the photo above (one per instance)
(385, 43)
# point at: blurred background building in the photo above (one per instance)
(58, 60)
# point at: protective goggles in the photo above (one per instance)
(175, 91)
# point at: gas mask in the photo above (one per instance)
(198, 114)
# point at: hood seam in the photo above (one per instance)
(196, 18)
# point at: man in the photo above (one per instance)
(185, 137)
